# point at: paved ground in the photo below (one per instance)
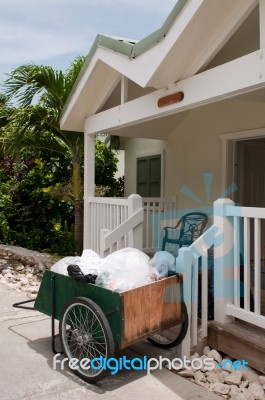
(26, 371)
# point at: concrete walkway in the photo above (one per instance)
(26, 370)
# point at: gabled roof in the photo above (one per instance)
(190, 37)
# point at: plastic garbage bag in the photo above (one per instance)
(61, 266)
(124, 269)
(163, 261)
(90, 262)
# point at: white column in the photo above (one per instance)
(136, 235)
(262, 23)
(184, 267)
(124, 89)
(223, 260)
(89, 185)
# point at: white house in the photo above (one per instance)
(188, 104)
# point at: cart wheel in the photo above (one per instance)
(85, 334)
(173, 336)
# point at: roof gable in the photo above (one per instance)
(191, 36)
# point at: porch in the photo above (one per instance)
(233, 245)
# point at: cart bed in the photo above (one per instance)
(133, 315)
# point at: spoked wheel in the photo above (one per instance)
(171, 337)
(86, 335)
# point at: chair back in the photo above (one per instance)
(191, 227)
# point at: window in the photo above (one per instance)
(149, 176)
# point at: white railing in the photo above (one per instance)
(114, 223)
(104, 213)
(237, 258)
(109, 213)
(193, 262)
(129, 233)
(153, 209)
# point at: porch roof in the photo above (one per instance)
(154, 61)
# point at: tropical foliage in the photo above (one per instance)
(41, 171)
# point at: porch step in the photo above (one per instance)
(240, 340)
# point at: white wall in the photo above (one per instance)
(194, 148)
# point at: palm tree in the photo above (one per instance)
(40, 93)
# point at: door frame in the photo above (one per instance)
(229, 153)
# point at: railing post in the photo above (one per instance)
(184, 267)
(135, 237)
(103, 233)
(223, 260)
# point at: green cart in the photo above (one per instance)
(93, 321)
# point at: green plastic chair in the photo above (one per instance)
(191, 226)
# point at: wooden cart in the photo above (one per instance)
(94, 320)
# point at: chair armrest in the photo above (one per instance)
(173, 227)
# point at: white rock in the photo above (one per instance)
(206, 350)
(20, 267)
(234, 390)
(219, 388)
(256, 389)
(199, 376)
(247, 395)
(24, 282)
(250, 374)
(234, 378)
(244, 384)
(187, 373)
(195, 355)
(242, 396)
(227, 364)
(203, 384)
(215, 355)
(213, 377)
(262, 379)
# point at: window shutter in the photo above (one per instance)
(149, 176)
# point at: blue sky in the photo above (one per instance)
(54, 32)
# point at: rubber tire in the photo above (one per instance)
(183, 331)
(102, 320)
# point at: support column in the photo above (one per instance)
(89, 186)
(124, 89)
(262, 24)
(223, 261)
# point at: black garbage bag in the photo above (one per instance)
(75, 272)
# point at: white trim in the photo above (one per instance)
(124, 89)
(262, 23)
(229, 139)
(242, 75)
(248, 316)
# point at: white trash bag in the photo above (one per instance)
(124, 269)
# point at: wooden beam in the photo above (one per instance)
(239, 76)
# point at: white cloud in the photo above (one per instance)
(36, 30)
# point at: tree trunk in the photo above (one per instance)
(79, 223)
(78, 205)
